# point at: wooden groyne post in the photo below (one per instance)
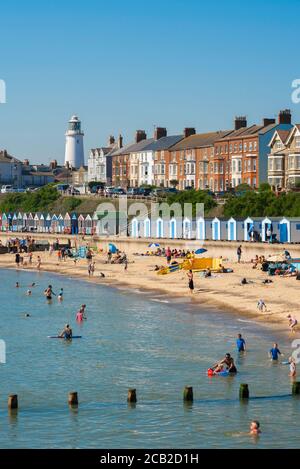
(131, 396)
(73, 398)
(296, 388)
(188, 395)
(13, 401)
(244, 391)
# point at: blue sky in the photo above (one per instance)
(126, 65)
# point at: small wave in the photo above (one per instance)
(248, 321)
(160, 301)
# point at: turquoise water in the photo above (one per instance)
(134, 340)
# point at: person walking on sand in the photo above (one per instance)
(190, 276)
(125, 263)
(292, 323)
(239, 253)
(39, 262)
(261, 305)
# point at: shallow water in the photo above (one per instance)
(129, 340)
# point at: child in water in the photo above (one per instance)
(292, 367)
(255, 428)
(60, 295)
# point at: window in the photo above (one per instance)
(254, 182)
(216, 168)
(298, 227)
(235, 147)
(230, 147)
(254, 165)
(221, 168)
(278, 164)
(249, 165)
(239, 166)
(241, 147)
(245, 146)
(278, 145)
(233, 166)
(245, 166)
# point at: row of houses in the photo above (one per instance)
(280, 229)
(216, 160)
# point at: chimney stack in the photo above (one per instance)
(160, 132)
(120, 141)
(53, 164)
(267, 121)
(188, 131)
(26, 162)
(140, 135)
(285, 117)
(111, 141)
(240, 122)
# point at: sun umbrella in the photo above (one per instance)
(201, 251)
(112, 248)
(153, 245)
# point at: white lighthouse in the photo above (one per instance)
(74, 156)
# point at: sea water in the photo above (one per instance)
(134, 341)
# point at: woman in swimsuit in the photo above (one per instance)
(49, 292)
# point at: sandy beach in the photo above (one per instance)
(221, 290)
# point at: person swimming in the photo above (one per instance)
(28, 293)
(255, 428)
(17, 285)
(67, 332)
(228, 362)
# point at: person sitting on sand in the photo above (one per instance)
(207, 273)
(292, 322)
(66, 333)
(255, 428)
(228, 362)
(244, 281)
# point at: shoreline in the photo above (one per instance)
(221, 292)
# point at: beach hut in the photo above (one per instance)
(81, 224)
(60, 223)
(187, 228)
(67, 224)
(9, 221)
(160, 228)
(208, 229)
(284, 231)
(95, 223)
(41, 223)
(294, 230)
(200, 230)
(74, 224)
(223, 230)
(232, 230)
(172, 229)
(135, 228)
(252, 229)
(54, 224)
(36, 219)
(147, 228)
(216, 229)
(272, 224)
(4, 222)
(30, 222)
(20, 222)
(88, 224)
(48, 220)
(15, 222)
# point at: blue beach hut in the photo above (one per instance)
(159, 228)
(61, 224)
(187, 228)
(135, 228)
(48, 220)
(147, 228)
(216, 229)
(74, 224)
(9, 221)
(200, 229)
(232, 230)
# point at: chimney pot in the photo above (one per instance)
(267, 121)
(240, 122)
(111, 140)
(140, 135)
(188, 131)
(160, 132)
(285, 117)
